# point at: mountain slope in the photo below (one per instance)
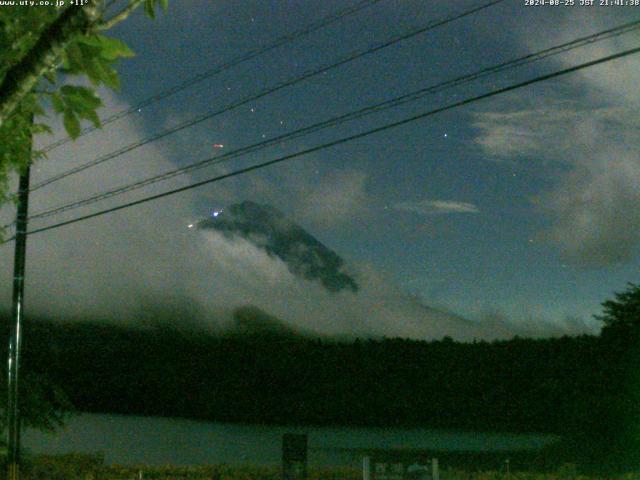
(269, 229)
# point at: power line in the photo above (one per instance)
(250, 55)
(292, 81)
(397, 101)
(342, 140)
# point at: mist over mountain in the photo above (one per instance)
(268, 229)
(325, 295)
(249, 321)
(246, 268)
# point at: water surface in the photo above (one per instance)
(131, 440)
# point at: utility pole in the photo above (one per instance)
(15, 338)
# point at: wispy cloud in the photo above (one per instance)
(333, 199)
(525, 131)
(436, 207)
(592, 198)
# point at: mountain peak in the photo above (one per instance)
(269, 229)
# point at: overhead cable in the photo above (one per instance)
(394, 102)
(263, 93)
(340, 141)
(250, 55)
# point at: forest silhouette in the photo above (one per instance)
(583, 388)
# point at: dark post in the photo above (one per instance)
(13, 411)
(294, 456)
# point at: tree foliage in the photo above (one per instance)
(42, 43)
(623, 312)
(584, 388)
(261, 373)
(38, 44)
(44, 405)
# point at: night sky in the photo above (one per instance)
(523, 206)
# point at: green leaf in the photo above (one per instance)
(58, 103)
(99, 71)
(50, 76)
(74, 58)
(112, 49)
(41, 128)
(37, 109)
(108, 76)
(89, 52)
(108, 48)
(91, 40)
(64, 61)
(83, 97)
(149, 8)
(93, 71)
(164, 4)
(71, 124)
(92, 116)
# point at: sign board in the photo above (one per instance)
(294, 456)
(382, 469)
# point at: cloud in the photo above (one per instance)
(524, 132)
(247, 275)
(589, 148)
(528, 326)
(436, 207)
(594, 197)
(144, 264)
(314, 193)
(595, 194)
(334, 199)
(596, 208)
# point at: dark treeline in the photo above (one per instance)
(583, 388)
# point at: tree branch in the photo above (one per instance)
(24, 76)
(119, 17)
